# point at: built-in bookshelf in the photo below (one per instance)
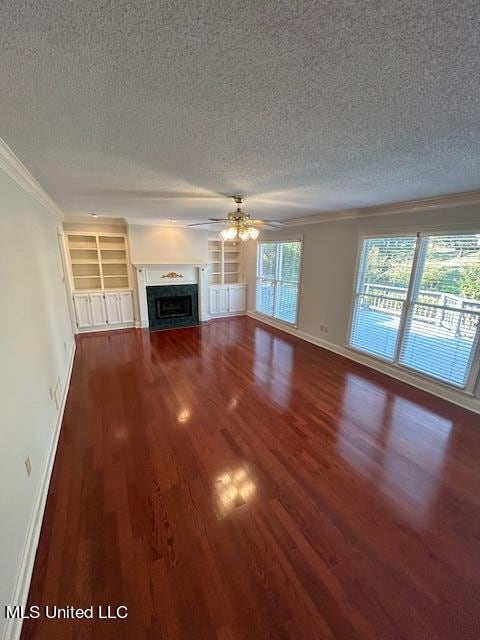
(224, 261)
(98, 262)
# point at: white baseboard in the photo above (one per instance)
(227, 314)
(13, 627)
(437, 389)
(107, 327)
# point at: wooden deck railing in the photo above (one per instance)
(459, 315)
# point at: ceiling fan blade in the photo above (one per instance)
(208, 222)
(272, 223)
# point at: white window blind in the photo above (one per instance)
(381, 291)
(417, 304)
(442, 321)
(278, 274)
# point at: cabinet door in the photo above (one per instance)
(213, 298)
(81, 302)
(237, 299)
(97, 308)
(222, 300)
(126, 306)
(112, 306)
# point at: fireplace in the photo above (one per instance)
(172, 306)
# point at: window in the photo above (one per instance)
(417, 304)
(278, 275)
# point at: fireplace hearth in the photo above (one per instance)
(172, 306)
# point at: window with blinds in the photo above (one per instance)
(417, 304)
(381, 292)
(278, 275)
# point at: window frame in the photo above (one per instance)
(472, 381)
(275, 280)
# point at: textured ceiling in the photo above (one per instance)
(132, 107)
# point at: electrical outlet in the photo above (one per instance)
(28, 465)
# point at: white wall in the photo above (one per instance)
(167, 245)
(328, 271)
(36, 343)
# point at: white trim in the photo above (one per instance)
(449, 394)
(225, 314)
(409, 206)
(13, 627)
(11, 165)
(99, 329)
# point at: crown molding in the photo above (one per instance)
(409, 206)
(11, 165)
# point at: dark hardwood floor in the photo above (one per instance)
(233, 482)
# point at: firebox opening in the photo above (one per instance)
(173, 307)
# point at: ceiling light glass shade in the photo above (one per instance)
(229, 233)
(244, 234)
(253, 233)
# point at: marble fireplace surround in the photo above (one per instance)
(168, 275)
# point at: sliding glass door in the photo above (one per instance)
(417, 304)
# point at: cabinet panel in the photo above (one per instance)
(97, 306)
(126, 307)
(213, 299)
(81, 302)
(112, 307)
(222, 300)
(237, 299)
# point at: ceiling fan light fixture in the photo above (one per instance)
(253, 233)
(229, 233)
(244, 234)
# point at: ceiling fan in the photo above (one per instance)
(239, 224)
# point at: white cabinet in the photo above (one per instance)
(97, 307)
(237, 298)
(90, 310)
(103, 310)
(112, 306)
(218, 300)
(213, 300)
(81, 302)
(222, 303)
(227, 299)
(119, 307)
(126, 306)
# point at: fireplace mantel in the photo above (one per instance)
(171, 274)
